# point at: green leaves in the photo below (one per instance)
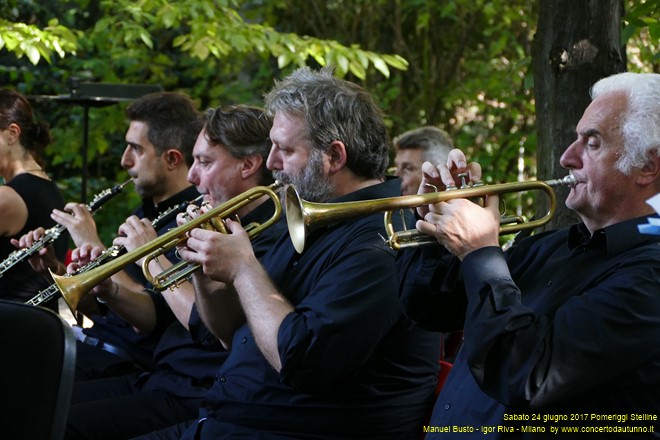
(29, 41)
(642, 31)
(201, 29)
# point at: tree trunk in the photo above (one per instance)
(577, 43)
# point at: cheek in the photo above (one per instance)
(213, 182)
(203, 179)
(297, 164)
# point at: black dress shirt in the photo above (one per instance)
(560, 333)
(353, 366)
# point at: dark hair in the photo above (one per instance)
(15, 109)
(172, 118)
(243, 130)
(335, 110)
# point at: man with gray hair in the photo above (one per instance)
(413, 148)
(322, 348)
(561, 330)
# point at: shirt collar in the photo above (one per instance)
(615, 238)
(151, 210)
(391, 187)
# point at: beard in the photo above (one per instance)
(310, 182)
(149, 186)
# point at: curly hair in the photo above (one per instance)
(335, 110)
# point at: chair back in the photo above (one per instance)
(36, 373)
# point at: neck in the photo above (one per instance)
(245, 210)
(172, 186)
(352, 184)
(13, 168)
(594, 226)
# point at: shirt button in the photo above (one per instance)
(447, 406)
(549, 283)
(295, 263)
(244, 340)
(223, 379)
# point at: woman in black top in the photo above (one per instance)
(28, 196)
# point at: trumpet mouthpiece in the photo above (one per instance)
(568, 181)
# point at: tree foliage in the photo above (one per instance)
(28, 40)
(125, 25)
(641, 34)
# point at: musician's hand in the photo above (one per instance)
(79, 222)
(192, 211)
(439, 178)
(134, 233)
(82, 256)
(43, 260)
(222, 256)
(457, 164)
(463, 226)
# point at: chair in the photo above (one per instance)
(36, 372)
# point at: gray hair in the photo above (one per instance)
(335, 110)
(641, 120)
(434, 141)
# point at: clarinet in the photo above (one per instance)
(111, 253)
(53, 233)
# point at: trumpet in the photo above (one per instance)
(109, 254)
(303, 216)
(74, 287)
(53, 233)
(175, 275)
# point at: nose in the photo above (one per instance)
(570, 158)
(192, 175)
(274, 161)
(127, 159)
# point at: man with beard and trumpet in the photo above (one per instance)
(318, 343)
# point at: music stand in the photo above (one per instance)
(87, 95)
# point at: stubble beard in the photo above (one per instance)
(149, 187)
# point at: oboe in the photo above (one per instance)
(53, 233)
(111, 253)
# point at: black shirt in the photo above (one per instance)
(41, 196)
(564, 324)
(352, 365)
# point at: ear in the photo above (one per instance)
(251, 165)
(174, 158)
(13, 133)
(337, 156)
(650, 172)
